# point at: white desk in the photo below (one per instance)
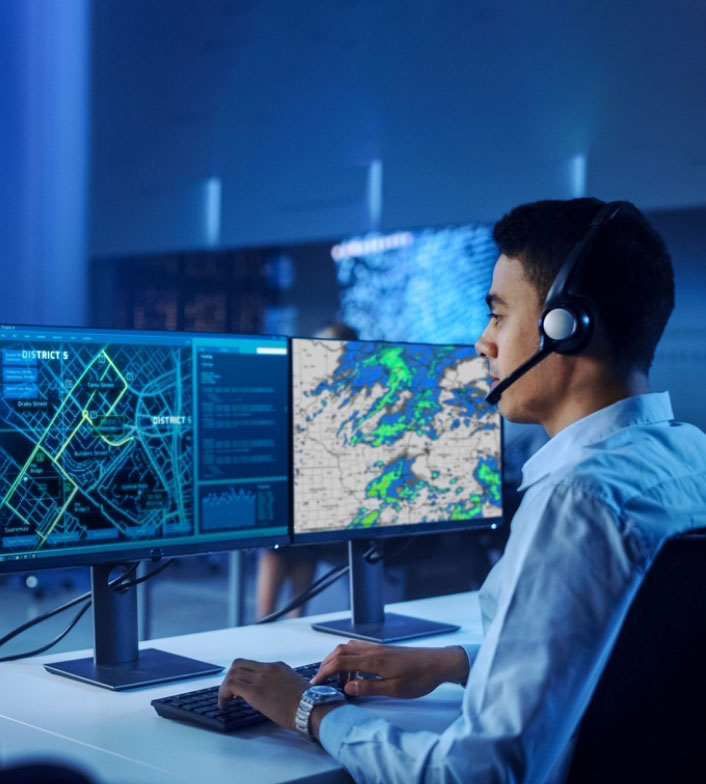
(118, 737)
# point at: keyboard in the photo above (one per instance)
(201, 706)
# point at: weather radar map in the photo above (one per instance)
(391, 434)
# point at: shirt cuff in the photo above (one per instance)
(471, 651)
(336, 724)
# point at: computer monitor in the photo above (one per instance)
(117, 446)
(420, 285)
(390, 439)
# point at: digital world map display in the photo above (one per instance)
(391, 434)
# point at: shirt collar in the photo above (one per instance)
(637, 410)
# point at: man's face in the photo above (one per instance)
(511, 338)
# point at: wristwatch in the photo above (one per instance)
(314, 695)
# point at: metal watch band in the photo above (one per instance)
(315, 695)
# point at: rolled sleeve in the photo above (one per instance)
(336, 724)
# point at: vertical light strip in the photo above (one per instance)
(577, 175)
(375, 194)
(46, 117)
(212, 210)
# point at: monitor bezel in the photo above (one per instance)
(400, 530)
(149, 551)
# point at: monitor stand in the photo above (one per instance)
(368, 620)
(117, 663)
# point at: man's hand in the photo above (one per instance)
(401, 672)
(272, 688)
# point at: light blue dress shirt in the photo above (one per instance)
(601, 497)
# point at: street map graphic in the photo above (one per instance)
(390, 434)
(96, 444)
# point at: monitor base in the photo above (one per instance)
(394, 628)
(151, 666)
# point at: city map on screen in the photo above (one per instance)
(113, 439)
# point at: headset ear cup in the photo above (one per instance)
(559, 323)
(567, 325)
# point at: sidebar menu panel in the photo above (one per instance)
(243, 435)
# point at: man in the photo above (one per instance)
(616, 478)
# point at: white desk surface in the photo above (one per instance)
(119, 738)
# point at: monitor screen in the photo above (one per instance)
(423, 285)
(117, 445)
(390, 439)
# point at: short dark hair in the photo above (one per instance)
(628, 273)
(338, 330)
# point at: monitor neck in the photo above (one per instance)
(368, 620)
(366, 579)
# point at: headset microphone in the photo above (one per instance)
(568, 319)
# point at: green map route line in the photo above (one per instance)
(85, 416)
(63, 508)
(38, 446)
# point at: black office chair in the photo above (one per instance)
(43, 773)
(646, 721)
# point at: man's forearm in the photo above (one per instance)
(452, 666)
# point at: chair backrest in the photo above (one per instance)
(647, 718)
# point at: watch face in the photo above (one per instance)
(322, 691)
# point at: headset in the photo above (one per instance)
(568, 318)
